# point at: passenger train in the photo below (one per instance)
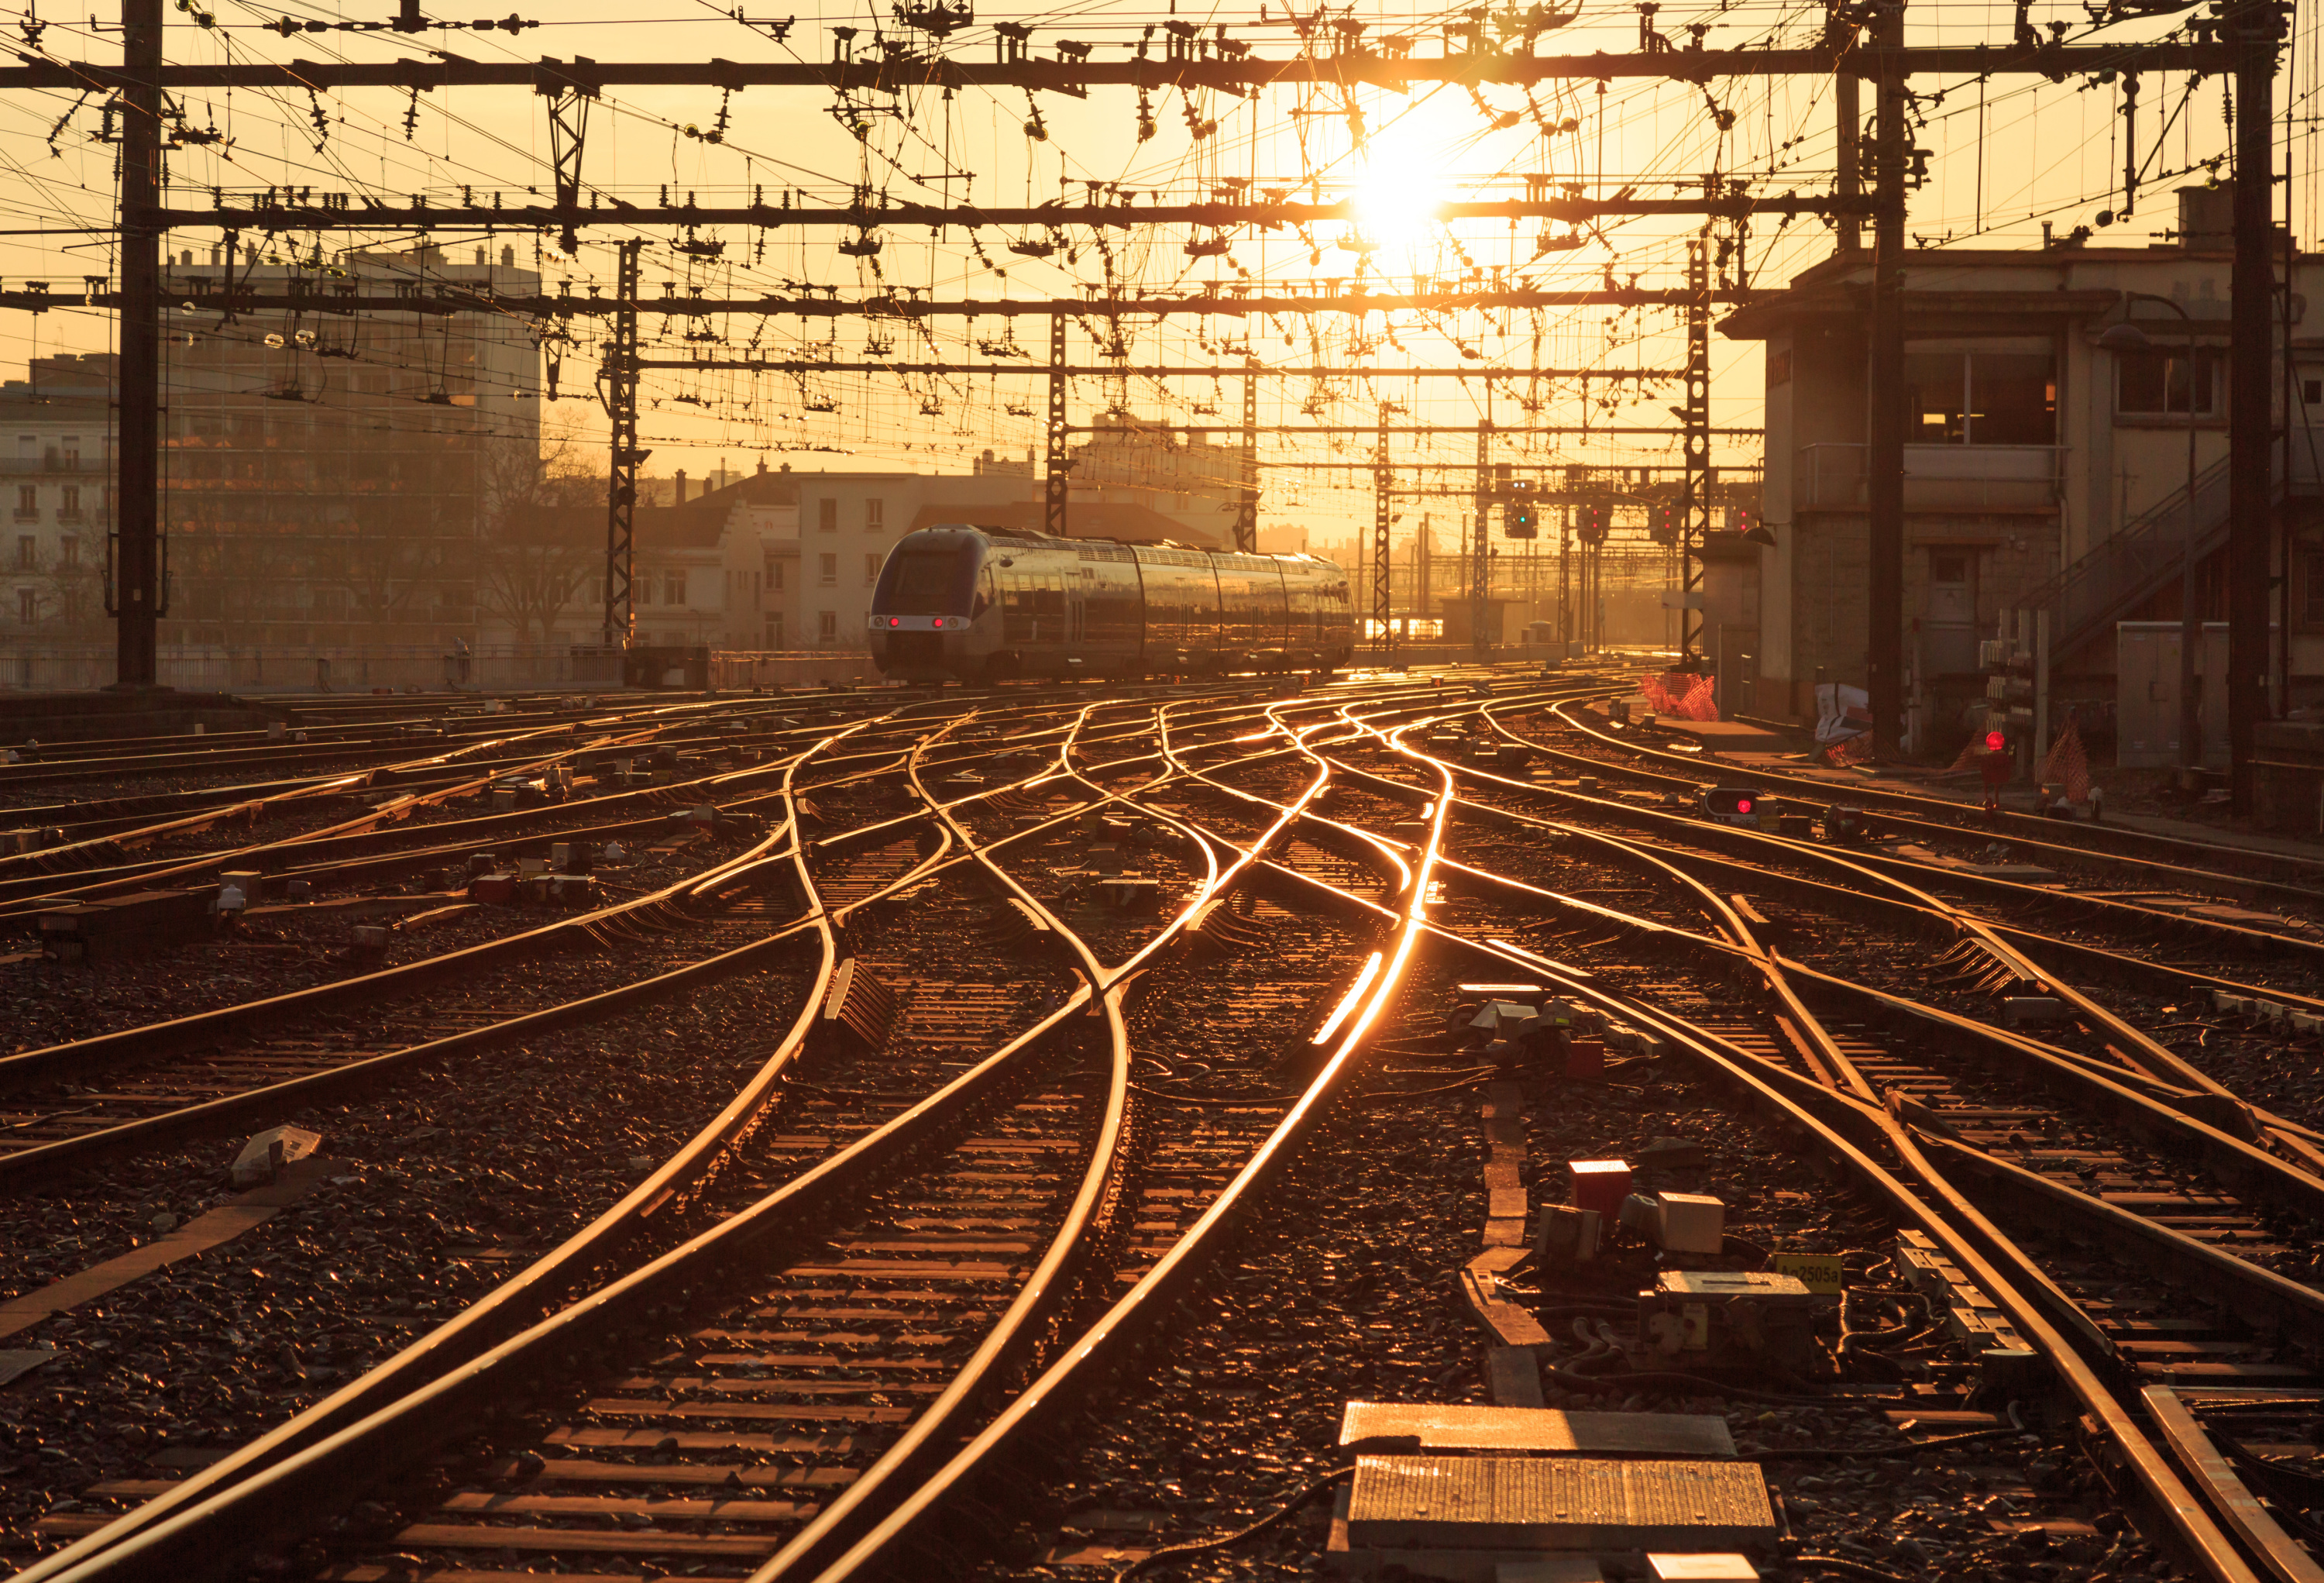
(987, 605)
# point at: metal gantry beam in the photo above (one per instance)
(143, 79)
(568, 124)
(619, 385)
(1245, 528)
(1480, 547)
(2256, 26)
(1055, 477)
(1885, 454)
(284, 214)
(906, 73)
(207, 293)
(1694, 446)
(1248, 372)
(135, 591)
(1383, 600)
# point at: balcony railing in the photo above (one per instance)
(1937, 477)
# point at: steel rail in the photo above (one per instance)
(2197, 1100)
(2192, 1524)
(522, 1299)
(507, 1309)
(2142, 1053)
(2027, 830)
(876, 1552)
(1013, 1336)
(177, 1535)
(36, 1065)
(2102, 912)
(2203, 1538)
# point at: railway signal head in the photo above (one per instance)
(1996, 742)
(1662, 521)
(1738, 805)
(1590, 522)
(1518, 519)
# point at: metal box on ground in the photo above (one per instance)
(96, 931)
(1729, 1318)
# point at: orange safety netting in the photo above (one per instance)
(1681, 693)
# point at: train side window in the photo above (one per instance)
(984, 595)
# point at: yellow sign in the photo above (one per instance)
(1819, 1273)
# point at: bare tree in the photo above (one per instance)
(543, 535)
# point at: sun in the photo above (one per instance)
(1399, 199)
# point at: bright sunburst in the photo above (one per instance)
(1398, 200)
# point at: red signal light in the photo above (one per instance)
(1743, 805)
(938, 623)
(894, 621)
(1994, 742)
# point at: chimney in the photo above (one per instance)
(763, 467)
(681, 486)
(508, 256)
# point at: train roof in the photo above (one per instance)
(1149, 549)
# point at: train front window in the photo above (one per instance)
(926, 582)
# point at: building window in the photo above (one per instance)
(69, 548)
(2311, 607)
(69, 505)
(673, 588)
(641, 590)
(827, 516)
(28, 503)
(2155, 384)
(72, 453)
(27, 606)
(28, 552)
(830, 569)
(775, 577)
(774, 632)
(826, 626)
(871, 569)
(1982, 398)
(875, 515)
(2311, 392)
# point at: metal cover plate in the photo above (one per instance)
(1446, 1427)
(1556, 1504)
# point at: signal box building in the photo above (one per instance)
(2042, 469)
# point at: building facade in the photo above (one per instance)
(1176, 474)
(57, 458)
(2043, 470)
(328, 473)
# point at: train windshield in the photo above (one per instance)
(927, 581)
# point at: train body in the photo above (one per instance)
(986, 605)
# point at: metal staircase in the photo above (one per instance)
(2126, 569)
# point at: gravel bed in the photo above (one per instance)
(442, 1188)
(44, 1003)
(1345, 1289)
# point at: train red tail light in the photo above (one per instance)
(894, 621)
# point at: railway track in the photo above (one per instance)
(808, 1383)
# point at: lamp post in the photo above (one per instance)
(2127, 336)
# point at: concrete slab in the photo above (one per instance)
(1729, 736)
(1344, 1559)
(1451, 1426)
(1539, 1503)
